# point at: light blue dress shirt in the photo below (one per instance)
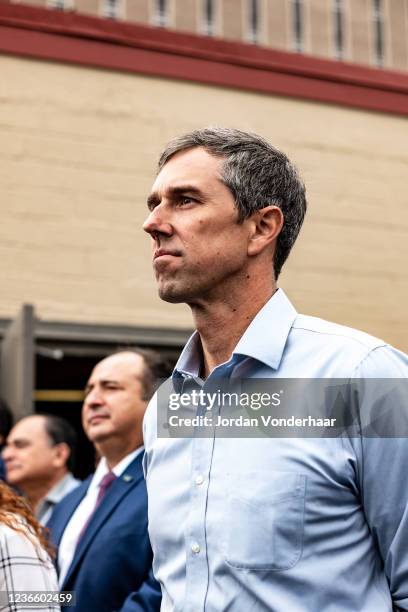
(282, 524)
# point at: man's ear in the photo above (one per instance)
(61, 454)
(267, 224)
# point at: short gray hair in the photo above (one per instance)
(256, 173)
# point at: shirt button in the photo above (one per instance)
(199, 480)
(195, 548)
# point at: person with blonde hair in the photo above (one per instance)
(25, 556)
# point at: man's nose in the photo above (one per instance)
(156, 223)
(93, 398)
(7, 453)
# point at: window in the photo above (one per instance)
(60, 4)
(208, 17)
(253, 21)
(378, 31)
(111, 8)
(161, 17)
(298, 25)
(338, 28)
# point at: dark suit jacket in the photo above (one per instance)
(111, 568)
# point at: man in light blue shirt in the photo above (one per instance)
(256, 524)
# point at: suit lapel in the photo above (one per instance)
(118, 490)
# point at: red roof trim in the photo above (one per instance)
(73, 38)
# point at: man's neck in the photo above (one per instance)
(35, 492)
(114, 452)
(222, 324)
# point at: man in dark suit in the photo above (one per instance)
(104, 553)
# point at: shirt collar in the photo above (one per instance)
(126, 461)
(266, 336)
(189, 362)
(264, 339)
(54, 495)
(118, 470)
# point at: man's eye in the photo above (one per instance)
(151, 204)
(186, 200)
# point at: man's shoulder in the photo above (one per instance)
(324, 349)
(336, 333)
(65, 486)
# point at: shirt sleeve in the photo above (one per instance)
(384, 461)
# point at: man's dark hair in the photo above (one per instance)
(155, 366)
(60, 431)
(256, 173)
(6, 419)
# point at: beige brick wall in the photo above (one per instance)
(137, 10)
(88, 7)
(232, 19)
(75, 171)
(398, 29)
(320, 14)
(186, 16)
(275, 27)
(31, 2)
(361, 32)
(277, 24)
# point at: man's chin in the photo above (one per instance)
(97, 434)
(13, 479)
(171, 295)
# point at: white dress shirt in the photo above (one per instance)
(84, 510)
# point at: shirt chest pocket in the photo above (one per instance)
(263, 527)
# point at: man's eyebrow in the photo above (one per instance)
(103, 382)
(173, 192)
(109, 381)
(18, 441)
(181, 189)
